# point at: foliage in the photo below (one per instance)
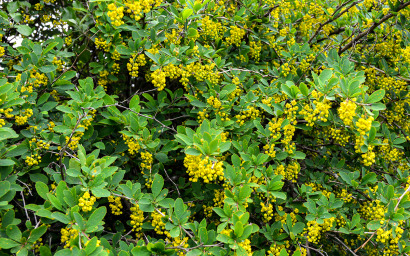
(151, 127)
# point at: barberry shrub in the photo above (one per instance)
(207, 127)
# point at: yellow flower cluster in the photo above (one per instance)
(202, 115)
(23, 118)
(37, 244)
(267, 211)
(214, 102)
(236, 35)
(256, 48)
(250, 113)
(341, 137)
(344, 195)
(133, 144)
(40, 143)
(135, 63)
(292, 171)
(291, 111)
(68, 234)
(178, 242)
(38, 78)
(68, 40)
(388, 153)
(284, 217)
(38, 6)
(33, 160)
(320, 113)
(158, 224)
(115, 68)
(270, 150)
(6, 112)
(137, 218)
(136, 9)
(274, 128)
(159, 79)
(115, 205)
(289, 131)
(2, 51)
(285, 69)
(390, 240)
(86, 202)
(116, 14)
(364, 125)
(373, 210)
(211, 28)
(276, 248)
(219, 198)
(369, 156)
(246, 244)
(315, 230)
(97, 244)
(58, 63)
(146, 160)
(208, 210)
(102, 44)
(203, 167)
(347, 111)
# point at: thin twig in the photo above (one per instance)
(24, 205)
(401, 197)
(373, 27)
(166, 173)
(344, 245)
(364, 244)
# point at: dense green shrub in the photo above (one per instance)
(222, 127)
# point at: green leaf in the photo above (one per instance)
(238, 229)
(100, 192)
(376, 96)
(24, 30)
(95, 219)
(61, 217)
(134, 103)
(121, 49)
(192, 32)
(192, 152)
(13, 232)
(4, 187)
(179, 207)
(47, 69)
(370, 177)
(42, 190)
(304, 89)
(186, 13)
(325, 75)
(6, 162)
(374, 224)
(49, 47)
(299, 155)
(283, 252)
(157, 185)
(140, 251)
(6, 243)
(7, 133)
(37, 233)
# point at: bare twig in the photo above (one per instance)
(166, 173)
(24, 205)
(364, 244)
(333, 18)
(344, 245)
(401, 197)
(373, 27)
